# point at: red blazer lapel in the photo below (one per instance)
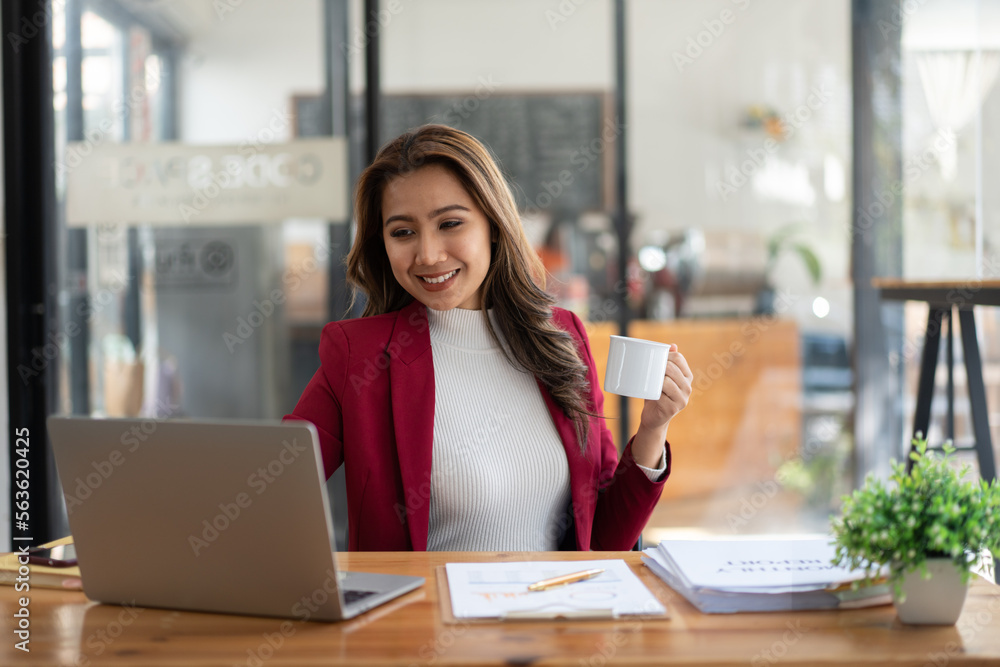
(411, 377)
(581, 470)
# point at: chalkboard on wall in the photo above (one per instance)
(549, 146)
(553, 147)
(307, 116)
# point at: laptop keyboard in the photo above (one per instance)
(353, 595)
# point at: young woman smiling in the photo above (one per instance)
(464, 406)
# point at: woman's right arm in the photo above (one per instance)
(320, 403)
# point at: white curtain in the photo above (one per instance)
(955, 84)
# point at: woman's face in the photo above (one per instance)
(437, 238)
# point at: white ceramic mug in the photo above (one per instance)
(636, 367)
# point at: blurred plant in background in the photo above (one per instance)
(782, 241)
(785, 240)
(819, 475)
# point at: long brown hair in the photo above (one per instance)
(514, 283)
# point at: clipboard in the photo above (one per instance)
(448, 616)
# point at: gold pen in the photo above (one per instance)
(562, 580)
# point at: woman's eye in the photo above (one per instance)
(399, 233)
(450, 224)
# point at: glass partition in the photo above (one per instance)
(210, 303)
(741, 160)
(201, 205)
(738, 140)
(187, 306)
(951, 121)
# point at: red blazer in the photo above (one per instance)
(372, 402)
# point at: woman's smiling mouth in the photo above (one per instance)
(437, 280)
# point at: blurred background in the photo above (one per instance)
(775, 156)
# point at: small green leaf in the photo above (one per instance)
(811, 261)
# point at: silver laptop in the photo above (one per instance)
(217, 516)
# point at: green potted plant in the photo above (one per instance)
(929, 526)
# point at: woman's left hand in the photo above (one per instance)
(676, 393)
(647, 445)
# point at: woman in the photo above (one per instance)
(466, 408)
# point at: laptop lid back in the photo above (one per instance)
(210, 516)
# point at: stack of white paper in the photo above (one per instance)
(760, 574)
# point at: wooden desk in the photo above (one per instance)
(942, 297)
(69, 630)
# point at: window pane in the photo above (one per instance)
(741, 155)
(951, 117)
(738, 141)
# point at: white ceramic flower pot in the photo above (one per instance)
(934, 601)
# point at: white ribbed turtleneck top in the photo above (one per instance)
(499, 475)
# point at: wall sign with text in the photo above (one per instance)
(178, 184)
